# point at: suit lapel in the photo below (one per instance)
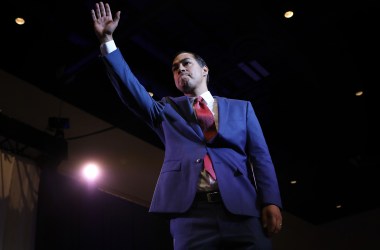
(222, 113)
(185, 109)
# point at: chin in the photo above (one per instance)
(186, 89)
(183, 86)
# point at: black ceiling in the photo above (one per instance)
(306, 71)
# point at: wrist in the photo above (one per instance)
(105, 39)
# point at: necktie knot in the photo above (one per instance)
(199, 103)
(198, 99)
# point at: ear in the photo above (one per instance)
(205, 70)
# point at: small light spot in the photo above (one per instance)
(288, 14)
(359, 93)
(20, 20)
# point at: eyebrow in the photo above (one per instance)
(184, 59)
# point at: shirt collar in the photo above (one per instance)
(207, 97)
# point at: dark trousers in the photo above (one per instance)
(210, 226)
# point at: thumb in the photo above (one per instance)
(117, 17)
(264, 222)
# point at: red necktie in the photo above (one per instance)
(207, 123)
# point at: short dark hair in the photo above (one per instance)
(197, 57)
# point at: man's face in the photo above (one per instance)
(188, 74)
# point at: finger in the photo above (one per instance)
(117, 17)
(108, 10)
(97, 11)
(93, 15)
(102, 9)
(267, 221)
(277, 226)
(268, 227)
(274, 225)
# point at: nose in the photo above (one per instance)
(181, 68)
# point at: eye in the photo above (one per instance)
(185, 63)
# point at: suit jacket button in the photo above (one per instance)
(198, 160)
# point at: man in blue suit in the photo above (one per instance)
(240, 208)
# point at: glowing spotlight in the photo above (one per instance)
(90, 171)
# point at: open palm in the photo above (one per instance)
(104, 23)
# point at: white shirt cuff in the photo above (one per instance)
(108, 47)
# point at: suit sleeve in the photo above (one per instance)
(130, 90)
(262, 165)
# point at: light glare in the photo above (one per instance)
(91, 171)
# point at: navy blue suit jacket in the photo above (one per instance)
(243, 165)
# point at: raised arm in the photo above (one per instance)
(132, 93)
(104, 23)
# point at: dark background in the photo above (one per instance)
(307, 70)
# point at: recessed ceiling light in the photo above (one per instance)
(20, 20)
(359, 93)
(289, 14)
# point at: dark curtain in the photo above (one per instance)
(19, 182)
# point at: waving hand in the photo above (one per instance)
(104, 23)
